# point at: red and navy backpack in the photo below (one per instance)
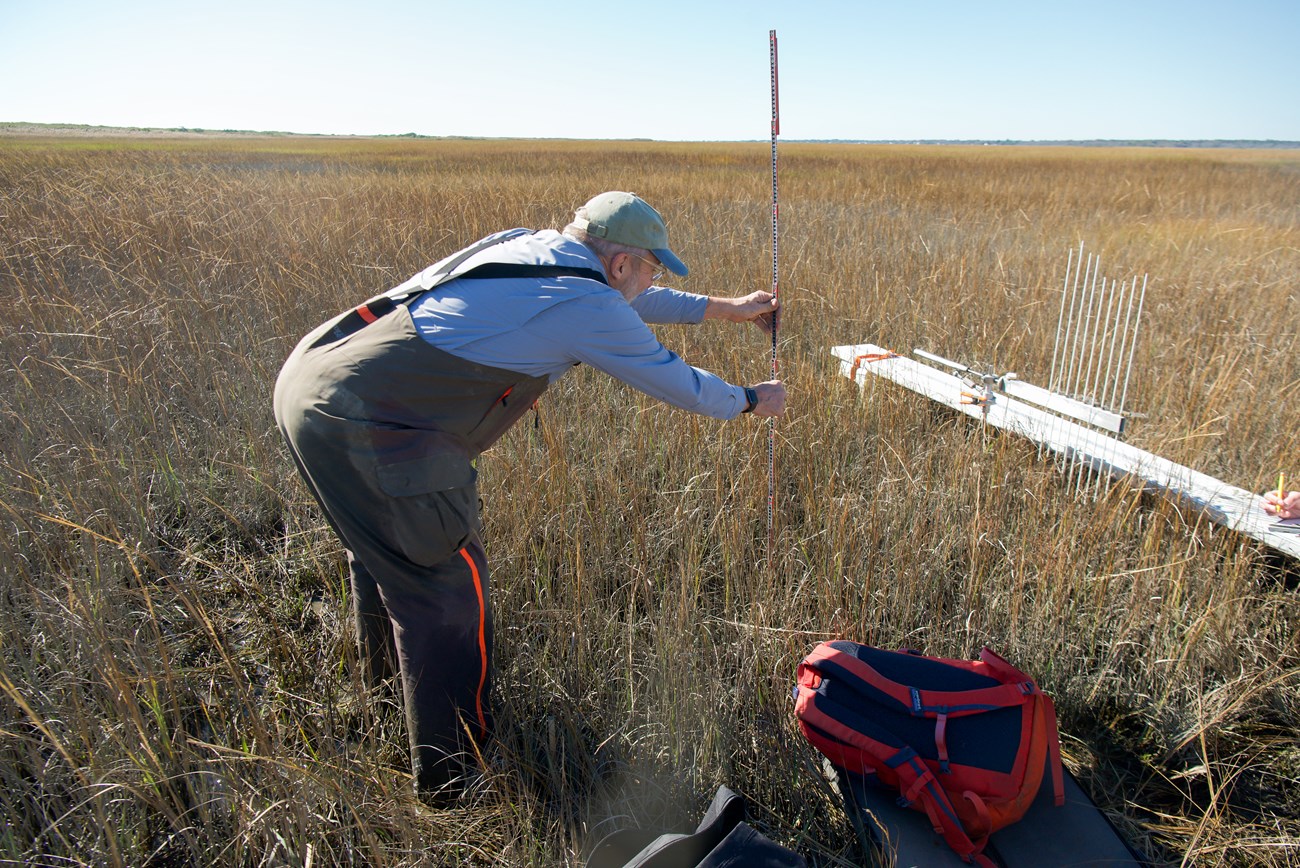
(966, 742)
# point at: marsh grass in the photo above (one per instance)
(177, 682)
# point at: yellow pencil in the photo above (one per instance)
(1281, 483)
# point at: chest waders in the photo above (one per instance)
(383, 428)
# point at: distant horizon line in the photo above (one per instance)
(1280, 144)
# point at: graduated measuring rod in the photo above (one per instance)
(991, 399)
(776, 315)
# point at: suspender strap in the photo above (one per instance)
(500, 270)
(366, 313)
(355, 320)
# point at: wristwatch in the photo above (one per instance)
(751, 397)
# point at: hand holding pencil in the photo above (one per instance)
(1282, 503)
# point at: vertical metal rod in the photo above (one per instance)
(1069, 328)
(1060, 317)
(771, 422)
(1060, 322)
(1095, 302)
(1099, 345)
(1108, 331)
(1114, 361)
(1076, 307)
(1124, 346)
(1083, 372)
(1108, 387)
(1077, 298)
(1096, 354)
(1086, 296)
(1100, 337)
(1086, 327)
(1072, 290)
(1137, 324)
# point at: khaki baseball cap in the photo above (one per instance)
(626, 218)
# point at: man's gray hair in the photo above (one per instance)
(602, 248)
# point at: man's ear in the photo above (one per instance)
(618, 264)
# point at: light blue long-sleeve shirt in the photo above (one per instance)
(544, 326)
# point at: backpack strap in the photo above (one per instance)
(917, 784)
(941, 741)
(913, 700)
(1053, 750)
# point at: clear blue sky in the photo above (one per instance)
(958, 69)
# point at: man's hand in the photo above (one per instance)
(771, 398)
(1287, 506)
(758, 307)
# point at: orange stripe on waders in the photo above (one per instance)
(482, 641)
(366, 313)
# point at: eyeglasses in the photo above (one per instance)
(657, 266)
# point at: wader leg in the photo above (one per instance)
(374, 633)
(442, 625)
(374, 630)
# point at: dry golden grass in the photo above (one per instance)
(177, 685)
